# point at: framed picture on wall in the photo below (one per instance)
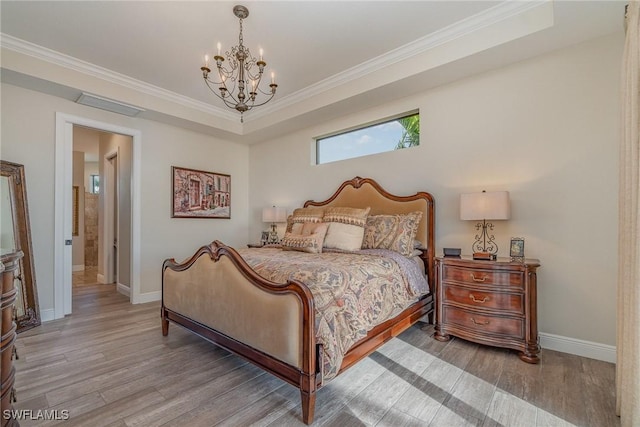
(200, 194)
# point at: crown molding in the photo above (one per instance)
(39, 52)
(491, 16)
(486, 18)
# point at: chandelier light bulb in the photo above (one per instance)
(219, 47)
(261, 53)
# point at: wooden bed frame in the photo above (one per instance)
(242, 283)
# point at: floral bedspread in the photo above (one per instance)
(353, 292)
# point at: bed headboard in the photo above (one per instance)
(365, 192)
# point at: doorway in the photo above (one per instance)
(127, 254)
(102, 237)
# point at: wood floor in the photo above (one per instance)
(109, 365)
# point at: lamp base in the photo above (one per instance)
(485, 242)
(485, 256)
(273, 234)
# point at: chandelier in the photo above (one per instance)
(239, 85)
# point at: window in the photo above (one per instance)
(94, 182)
(395, 134)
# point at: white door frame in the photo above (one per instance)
(62, 205)
(108, 230)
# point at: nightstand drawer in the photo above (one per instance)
(505, 326)
(476, 298)
(482, 277)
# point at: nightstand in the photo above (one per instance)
(488, 302)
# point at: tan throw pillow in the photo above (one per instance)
(346, 228)
(311, 242)
(301, 216)
(394, 232)
(308, 214)
(313, 227)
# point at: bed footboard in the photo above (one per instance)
(218, 296)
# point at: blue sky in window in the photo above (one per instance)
(375, 139)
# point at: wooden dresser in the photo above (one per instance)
(9, 263)
(488, 302)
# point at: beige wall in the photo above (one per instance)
(163, 146)
(545, 129)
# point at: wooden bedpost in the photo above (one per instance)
(311, 372)
(308, 405)
(165, 322)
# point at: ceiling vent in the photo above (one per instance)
(108, 104)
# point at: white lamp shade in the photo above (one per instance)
(493, 205)
(274, 214)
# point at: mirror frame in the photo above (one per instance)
(22, 236)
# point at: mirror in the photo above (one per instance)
(15, 233)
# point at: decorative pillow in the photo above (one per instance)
(352, 216)
(290, 223)
(311, 242)
(346, 228)
(393, 232)
(313, 227)
(302, 215)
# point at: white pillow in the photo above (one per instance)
(344, 236)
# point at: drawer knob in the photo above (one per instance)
(478, 279)
(486, 322)
(483, 300)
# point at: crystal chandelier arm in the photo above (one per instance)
(262, 103)
(227, 100)
(222, 84)
(214, 86)
(256, 76)
(223, 74)
(273, 91)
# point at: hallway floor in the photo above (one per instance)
(87, 277)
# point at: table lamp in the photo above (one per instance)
(274, 215)
(482, 207)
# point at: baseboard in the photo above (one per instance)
(79, 267)
(100, 279)
(47, 315)
(148, 297)
(592, 350)
(123, 289)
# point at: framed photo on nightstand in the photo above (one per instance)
(516, 249)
